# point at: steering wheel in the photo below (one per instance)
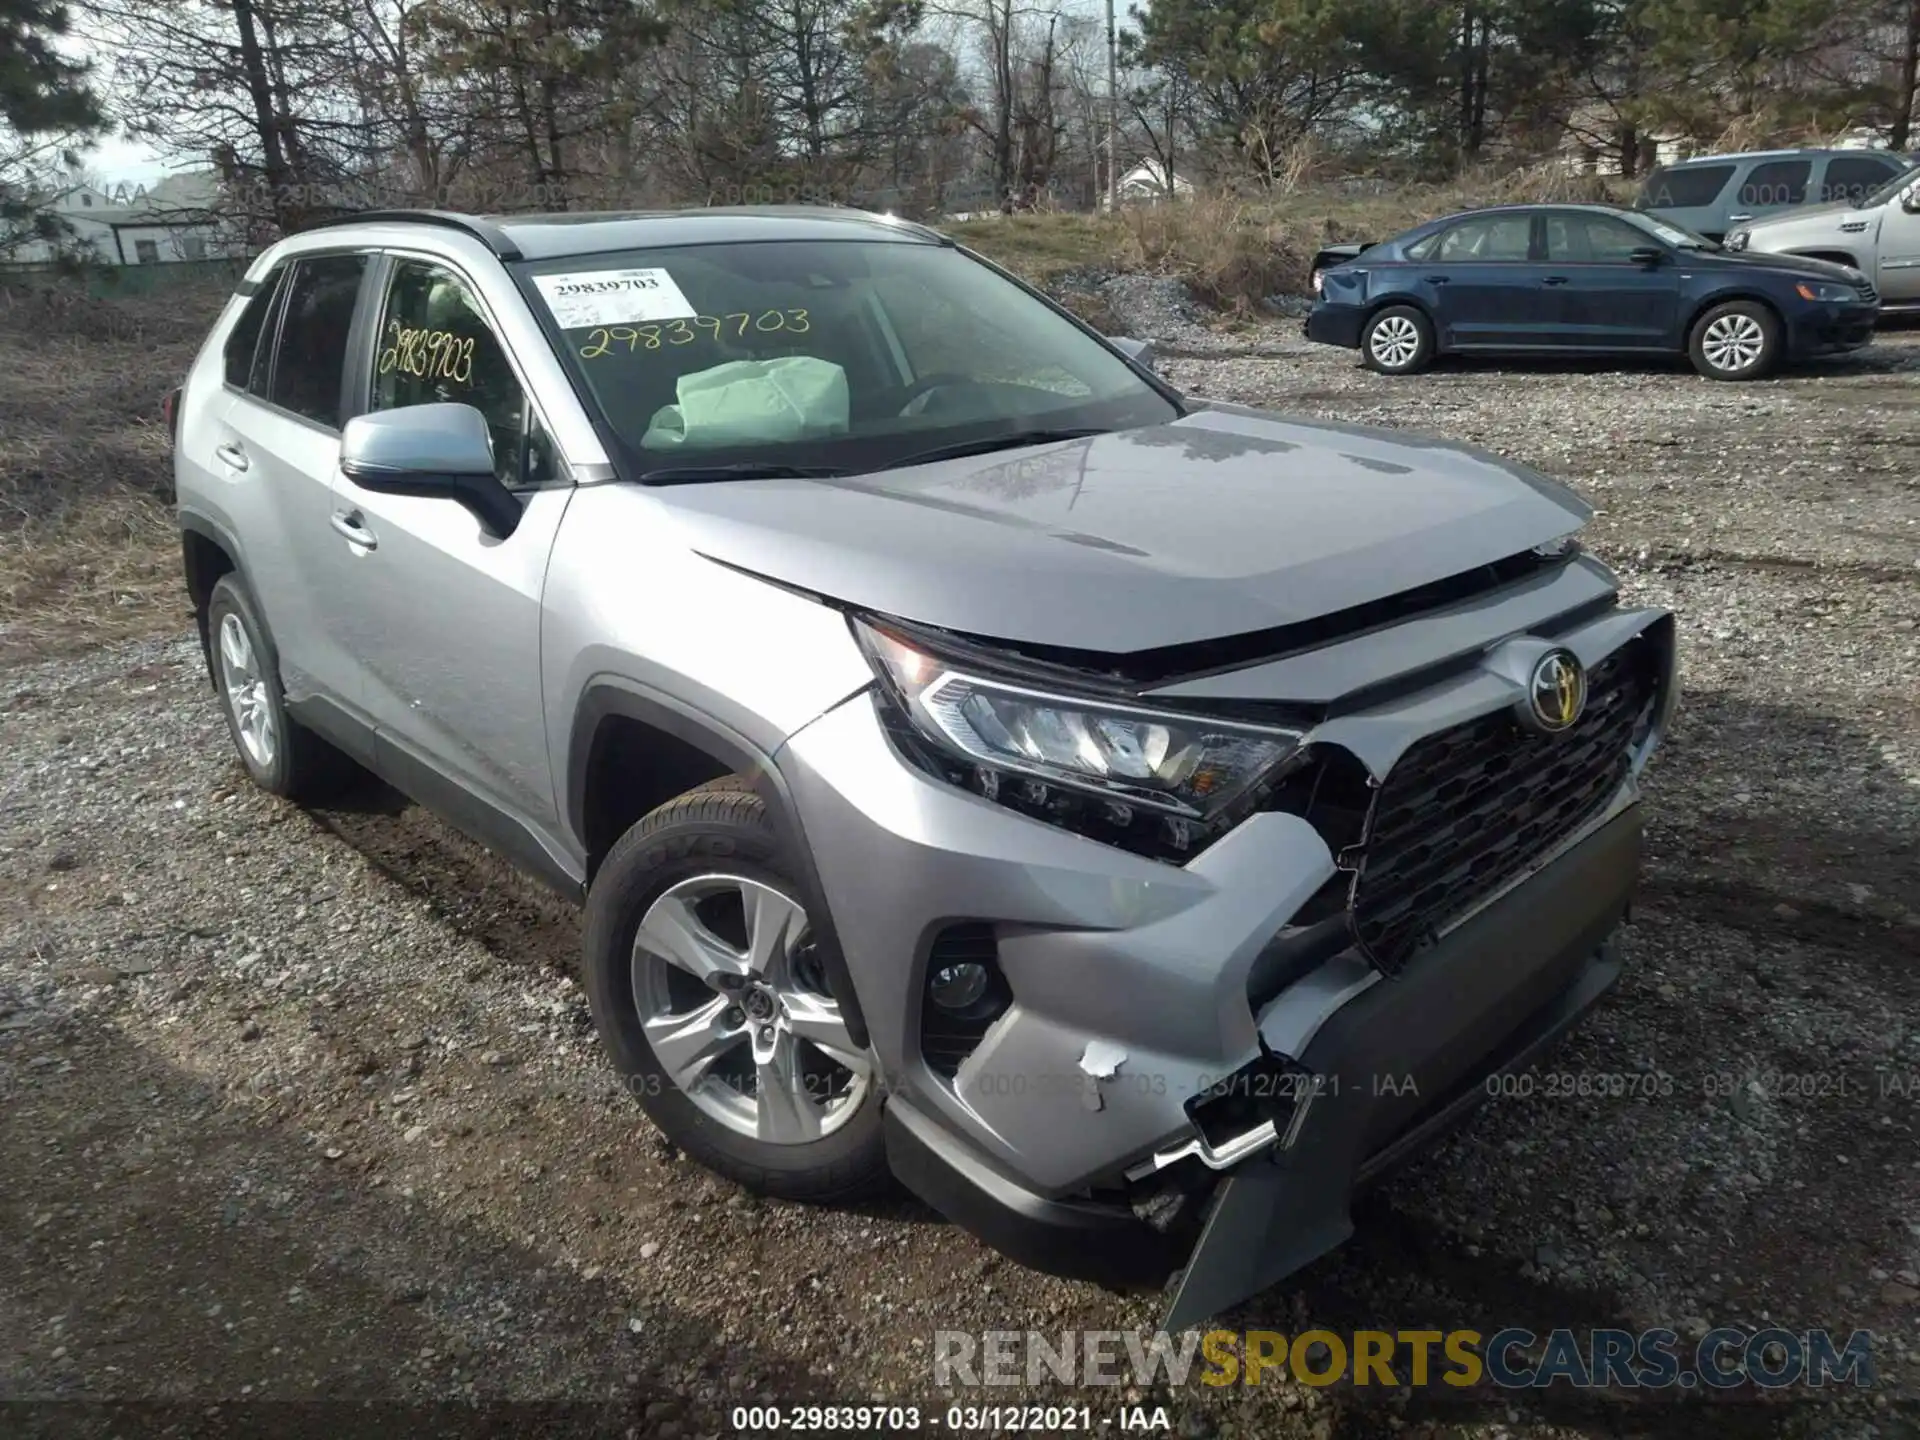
(927, 384)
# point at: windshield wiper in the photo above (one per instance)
(1015, 441)
(743, 470)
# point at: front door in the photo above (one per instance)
(1606, 299)
(443, 617)
(1899, 277)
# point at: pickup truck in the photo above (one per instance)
(1880, 237)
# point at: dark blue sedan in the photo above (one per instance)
(1586, 280)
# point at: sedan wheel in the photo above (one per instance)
(1397, 341)
(733, 1002)
(1733, 343)
(1736, 341)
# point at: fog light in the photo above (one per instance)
(958, 987)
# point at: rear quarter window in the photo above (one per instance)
(244, 338)
(1854, 178)
(1684, 187)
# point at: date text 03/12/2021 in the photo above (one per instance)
(950, 1419)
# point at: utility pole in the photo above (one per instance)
(1113, 114)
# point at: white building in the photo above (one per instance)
(1148, 183)
(178, 219)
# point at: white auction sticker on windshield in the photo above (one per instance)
(613, 297)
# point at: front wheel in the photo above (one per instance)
(1739, 340)
(708, 990)
(1397, 341)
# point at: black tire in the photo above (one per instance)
(301, 766)
(722, 828)
(1737, 328)
(1383, 341)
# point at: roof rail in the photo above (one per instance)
(490, 235)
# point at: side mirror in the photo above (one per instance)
(441, 451)
(1138, 351)
(1910, 200)
(1646, 255)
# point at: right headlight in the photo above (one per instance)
(1148, 779)
(1738, 240)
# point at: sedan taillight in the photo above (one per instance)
(170, 407)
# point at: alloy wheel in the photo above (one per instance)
(1733, 343)
(1395, 341)
(735, 1006)
(246, 691)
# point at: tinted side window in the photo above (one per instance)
(435, 345)
(1494, 237)
(1684, 188)
(1853, 178)
(311, 360)
(1776, 183)
(244, 339)
(1596, 238)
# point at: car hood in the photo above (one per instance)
(1786, 264)
(1812, 219)
(1219, 523)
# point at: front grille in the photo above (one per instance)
(1466, 811)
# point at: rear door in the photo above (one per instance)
(281, 438)
(1486, 282)
(1605, 299)
(1768, 187)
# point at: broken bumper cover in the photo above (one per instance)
(1395, 1067)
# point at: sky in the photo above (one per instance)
(132, 162)
(112, 157)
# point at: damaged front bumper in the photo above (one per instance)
(1196, 1064)
(1387, 1073)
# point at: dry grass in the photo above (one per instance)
(1234, 250)
(88, 547)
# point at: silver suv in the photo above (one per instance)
(1132, 822)
(1711, 195)
(1877, 234)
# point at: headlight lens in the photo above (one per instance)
(1036, 750)
(1737, 240)
(1821, 290)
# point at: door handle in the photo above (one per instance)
(1554, 280)
(1437, 279)
(355, 532)
(1736, 219)
(231, 454)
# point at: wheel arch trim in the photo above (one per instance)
(1727, 297)
(609, 696)
(195, 524)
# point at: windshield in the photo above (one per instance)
(1892, 188)
(732, 360)
(1676, 235)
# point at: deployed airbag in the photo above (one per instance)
(753, 402)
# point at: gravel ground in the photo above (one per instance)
(307, 1106)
